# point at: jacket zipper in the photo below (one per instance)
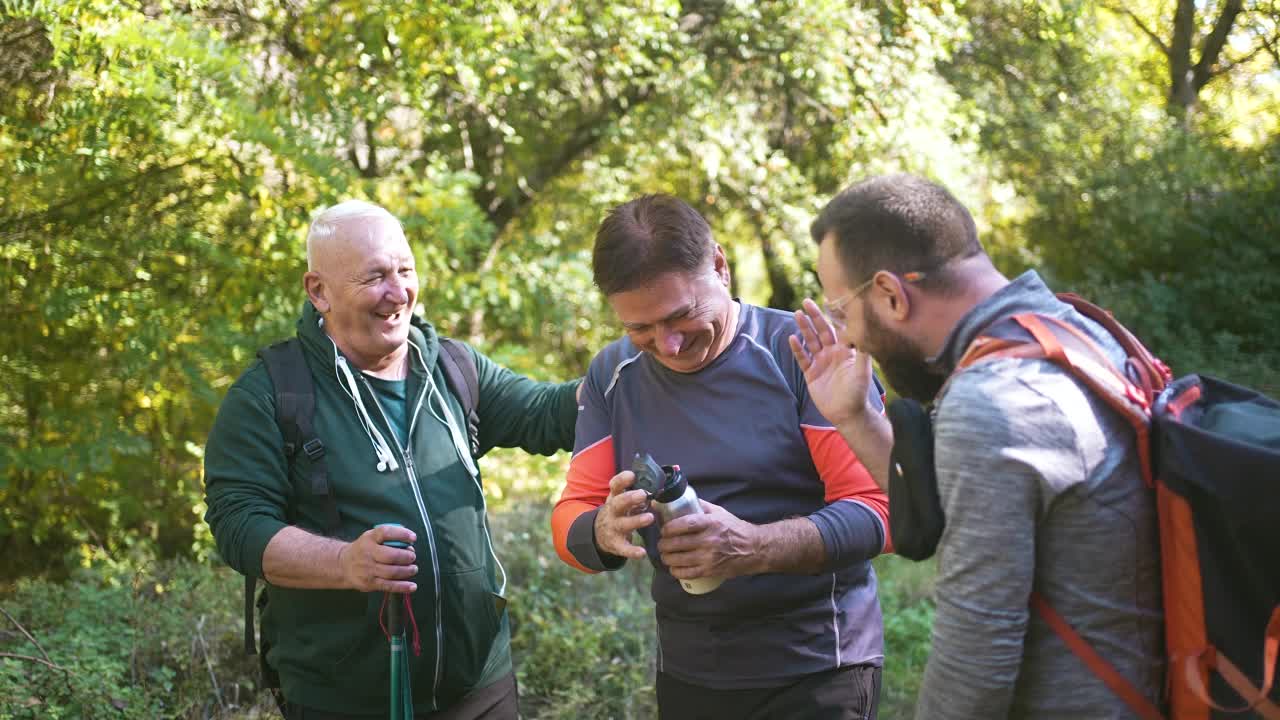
(426, 522)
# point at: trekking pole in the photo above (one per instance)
(395, 605)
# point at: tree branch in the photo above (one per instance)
(1270, 47)
(371, 163)
(1211, 49)
(97, 193)
(29, 658)
(1181, 94)
(30, 637)
(369, 169)
(586, 135)
(1228, 65)
(204, 646)
(1122, 10)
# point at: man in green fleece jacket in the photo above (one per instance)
(396, 452)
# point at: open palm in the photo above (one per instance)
(837, 375)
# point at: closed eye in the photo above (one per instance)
(680, 314)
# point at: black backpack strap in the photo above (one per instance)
(250, 641)
(464, 379)
(295, 410)
(295, 398)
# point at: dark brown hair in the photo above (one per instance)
(899, 223)
(647, 237)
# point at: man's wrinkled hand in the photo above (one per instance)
(716, 543)
(620, 516)
(369, 566)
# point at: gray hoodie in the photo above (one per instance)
(1041, 488)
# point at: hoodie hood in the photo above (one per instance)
(1025, 294)
(424, 349)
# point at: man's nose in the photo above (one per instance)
(398, 290)
(670, 342)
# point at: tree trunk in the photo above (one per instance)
(1187, 78)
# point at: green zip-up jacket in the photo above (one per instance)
(326, 644)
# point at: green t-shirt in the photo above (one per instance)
(391, 396)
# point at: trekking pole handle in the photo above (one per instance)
(394, 603)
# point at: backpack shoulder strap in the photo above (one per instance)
(1142, 367)
(1035, 336)
(295, 395)
(464, 379)
(295, 399)
(1106, 672)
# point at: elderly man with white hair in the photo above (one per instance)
(304, 486)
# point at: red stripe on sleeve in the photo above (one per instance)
(586, 488)
(844, 475)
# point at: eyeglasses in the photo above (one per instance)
(833, 309)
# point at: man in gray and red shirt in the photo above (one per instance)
(792, 518)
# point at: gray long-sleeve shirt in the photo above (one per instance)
(1041, 488)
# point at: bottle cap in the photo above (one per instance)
(675, 485)
(663, 483)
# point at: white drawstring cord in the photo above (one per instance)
(386, 459)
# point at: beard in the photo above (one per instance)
(901, 360)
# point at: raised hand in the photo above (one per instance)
(838, 376)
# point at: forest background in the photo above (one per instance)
(160, 160)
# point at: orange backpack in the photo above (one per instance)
(1211, 451)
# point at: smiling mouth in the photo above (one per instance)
(390, 317)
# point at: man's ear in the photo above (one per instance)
(893, 292)
(316, 291)
(720, 264)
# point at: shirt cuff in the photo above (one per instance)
(851, 533)
(582, 545)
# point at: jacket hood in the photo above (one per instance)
(1025, 294)
(326, 354)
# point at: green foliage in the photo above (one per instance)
(584, 645)
(160, 163)
(1181, 246)
(131, 642)
(906, 590)
(1169, 221)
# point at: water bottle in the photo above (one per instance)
(670, 497)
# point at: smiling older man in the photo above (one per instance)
(792, 518)
(395, 450)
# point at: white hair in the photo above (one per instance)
(325, 225)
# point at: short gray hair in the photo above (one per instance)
(325, 225)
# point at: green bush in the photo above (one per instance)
(906, 590)
(1180, 244)
(161, 641)
(584, 645)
